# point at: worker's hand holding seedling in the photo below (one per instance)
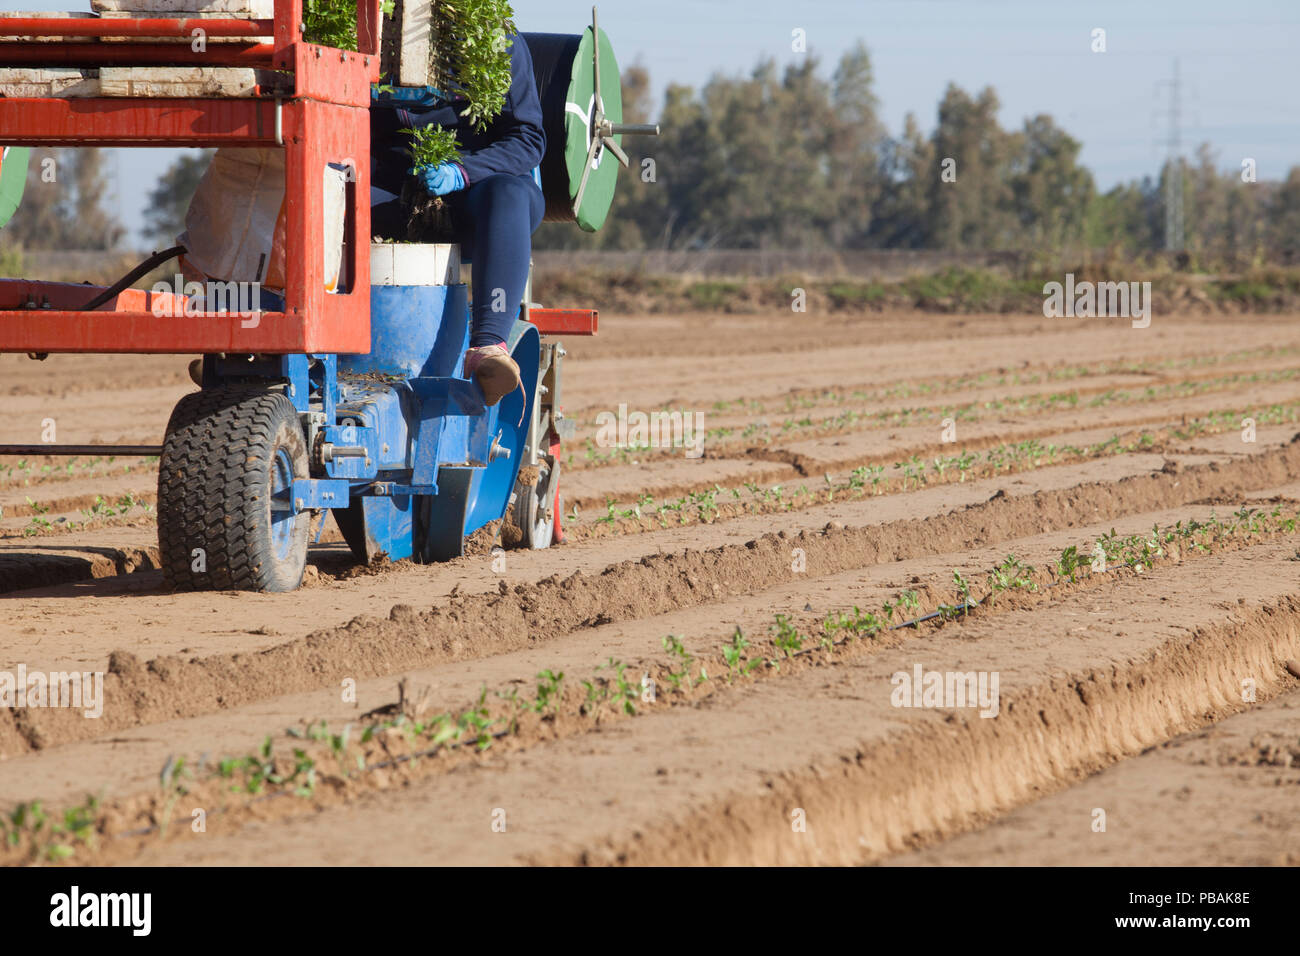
(435, 172)
(436, 160)
(441, 179)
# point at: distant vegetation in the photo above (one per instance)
(792, 160)
(953, 289)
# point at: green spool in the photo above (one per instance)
(13, 179)
(566, 82)
(599, 194)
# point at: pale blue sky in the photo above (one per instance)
(1238, 63)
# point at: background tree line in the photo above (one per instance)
(63, 203)
(787, 159)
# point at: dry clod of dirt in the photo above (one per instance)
(404, 613)
(1293, 668)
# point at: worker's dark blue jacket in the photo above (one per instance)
(513, 142)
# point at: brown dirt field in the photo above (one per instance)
(853, 466)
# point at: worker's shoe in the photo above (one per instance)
(495, 371)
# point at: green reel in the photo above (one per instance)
(582, 113)
(13, 179)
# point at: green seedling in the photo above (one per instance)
(734, 654)
(963, 588)
(1012, 574)
(432, 146)
(674, 646)
(788, 639)
(1069, 563)
(548, 691)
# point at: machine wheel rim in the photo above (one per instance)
(282, 516)
(542, 528)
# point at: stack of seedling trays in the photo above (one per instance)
(144, 81)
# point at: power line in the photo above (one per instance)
(1174, 166)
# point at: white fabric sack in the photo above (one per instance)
(234, 228)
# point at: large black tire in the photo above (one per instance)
(227, 450)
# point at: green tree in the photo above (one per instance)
(976, 209)
(854, 150)
(1051, 190)
(1284, 215)
(1128, 218)
(902, 218)
(62, 205)
(164, 216)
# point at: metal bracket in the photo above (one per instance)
(391, 489)
(309, 494)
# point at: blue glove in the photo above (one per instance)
(441, 179)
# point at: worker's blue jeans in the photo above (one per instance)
(494, 220)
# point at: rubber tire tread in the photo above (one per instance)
(214, 491)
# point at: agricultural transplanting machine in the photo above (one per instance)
(348, 399)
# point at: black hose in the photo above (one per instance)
(124, 283)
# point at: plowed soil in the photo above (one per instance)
(1095, 525)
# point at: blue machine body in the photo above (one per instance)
(404, 451)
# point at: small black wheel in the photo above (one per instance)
(225, 521)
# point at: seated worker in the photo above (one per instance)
(493, 197)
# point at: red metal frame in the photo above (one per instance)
(133, 27)
(325, 120)
(259, 55)
(70, 296)
(564, 321)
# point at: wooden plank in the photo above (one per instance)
(413, 69)
(27, 82)
(172, 81)
(257, 9)
(407, 43)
